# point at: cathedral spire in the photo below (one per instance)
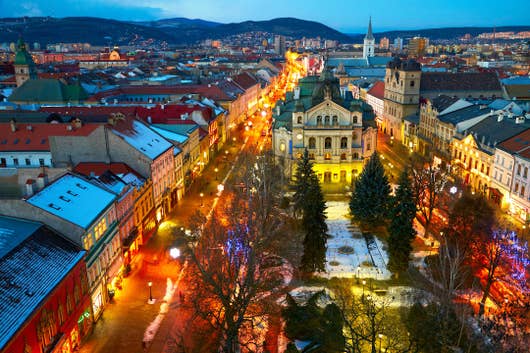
(369, 34)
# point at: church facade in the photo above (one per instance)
(338, 131)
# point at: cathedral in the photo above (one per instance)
(338, 131)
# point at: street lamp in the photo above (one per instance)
(174, 253)
(364, 282)
(216, 170)
(201, 195)
(150, 284)
(380, 340)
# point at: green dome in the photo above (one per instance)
(22, 56)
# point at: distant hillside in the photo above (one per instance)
(45, 30)
(441, 33)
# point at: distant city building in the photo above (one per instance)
(279, 45)
(398, 44)
(369, 42)
(417, 46)
(24, 66)
(384, 43)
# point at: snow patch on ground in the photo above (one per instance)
(343, 233)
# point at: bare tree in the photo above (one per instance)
(428, 181)
(369, 321)
(232, 287)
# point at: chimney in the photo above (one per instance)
(297, 93)
(77, 123)
(13, 124)
(499, 118)
(29, 128)
(162, 106)
(30, 187)
(278, 111)
(69, 128)
(42, 181)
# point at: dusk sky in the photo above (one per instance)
(346, 16)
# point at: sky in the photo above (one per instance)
(350, 16)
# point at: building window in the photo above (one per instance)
(299, 120)
(368, 146)
(15, 161)
(411, 83)
(516, 190)
(327, 143)
(41, 162)
(327, 156)
(522, 190)
(312, 142)
(319, 120)
(3, 162)
(28, 161)
(326, 120)
(60, 314)
(282, 146)
(311, 156)
(525, 173)
(356, 155)
(343, 157)
(355, 120)
(519, 169)
(344, 142)
(335, 120)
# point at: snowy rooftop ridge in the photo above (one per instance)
(30, 271)
(73, 199)
(143, 139)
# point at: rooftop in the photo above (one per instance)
(73, 199)
(475, 81)
(36, 261)
(142, 138)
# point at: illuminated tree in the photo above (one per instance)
(231, 286)
(428, 181)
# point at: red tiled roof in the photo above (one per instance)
(9, 80)
(86, 168)
(80, 111)
(35, 137)
(378, 90)
(172, 112)
(245, 80)
(518, 144)
(209, 91)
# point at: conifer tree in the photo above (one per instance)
(401, 228)
(314, 224)
(303, 174)
(371, 194)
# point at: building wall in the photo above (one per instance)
(502, 177)
(66, 310)
(26, 159)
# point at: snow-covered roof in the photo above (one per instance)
(73, 199)
(142, 138)
(38, 260)
(170, 135)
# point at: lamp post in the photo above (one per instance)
(380, 340)
(201, 195)
(364, 282)
(150, 284)
(216, 170)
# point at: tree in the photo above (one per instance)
(315, 227)
(371, 194)
(401, 229)
(428, 181)
(303, 174)
(231, 289)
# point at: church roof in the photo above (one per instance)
(369, 34)
(22, 56)
(48, 91)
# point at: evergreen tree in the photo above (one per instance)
(370, 197)
(401, 229)
(314, 224)
(304, 172)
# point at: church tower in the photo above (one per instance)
(24, 65)
(369, 42)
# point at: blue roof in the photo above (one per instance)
(143, 139)
(518, 80)
(170, 135)
(13, 232)
(38, 261)
(73, 199)
(181, 129)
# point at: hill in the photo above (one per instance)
(447, 33)
(45, 30)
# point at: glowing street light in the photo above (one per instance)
(174, 253)
(380, 340)
(151, 301)
(216, 170)
(201, 195)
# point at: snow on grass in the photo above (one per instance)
(343, 233)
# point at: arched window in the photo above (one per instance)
(344, 142)
(327, 143)
(343, 156)
(355, 120)
(327, 156)
(335, 120)
(299, 120)
(319, 120)
(312, 142)
(356, 155)
(326, 120)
